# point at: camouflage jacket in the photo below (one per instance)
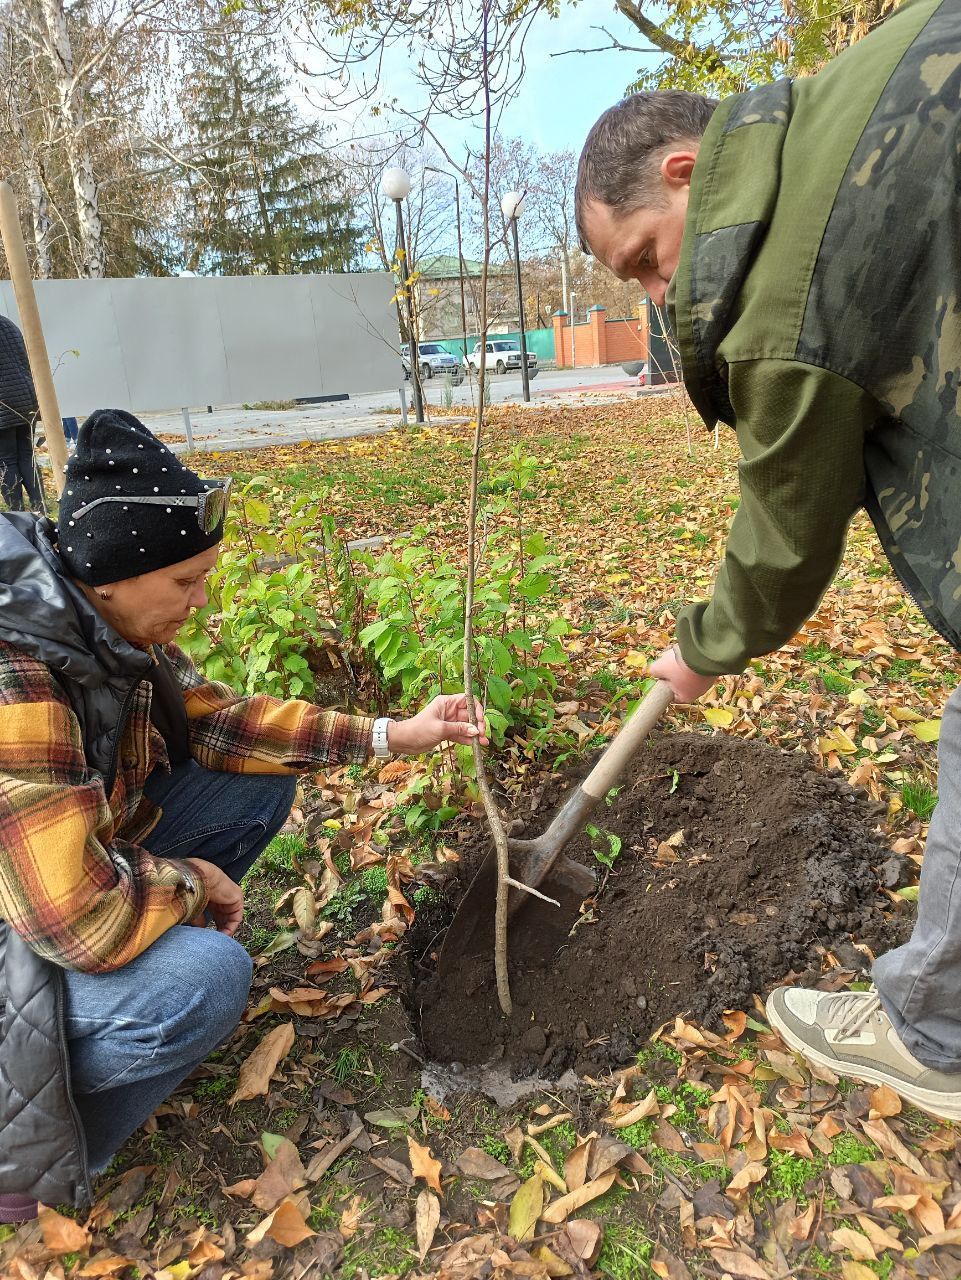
(817, 306)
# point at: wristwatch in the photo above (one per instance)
(379, 739)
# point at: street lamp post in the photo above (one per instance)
(512, 206)
(395, 185)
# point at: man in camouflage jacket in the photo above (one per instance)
(807, 239)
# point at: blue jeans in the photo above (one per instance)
(136, 1033)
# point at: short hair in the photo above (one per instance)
(619, 161)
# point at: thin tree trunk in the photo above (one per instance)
(487, 797)
(39, 206)
(86, 191)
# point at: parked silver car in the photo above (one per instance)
(433, 359)
(503, 356)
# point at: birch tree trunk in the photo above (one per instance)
(56, 41)
(37, 192)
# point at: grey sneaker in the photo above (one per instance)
(850, 1033)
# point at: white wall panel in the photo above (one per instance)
(150, 344)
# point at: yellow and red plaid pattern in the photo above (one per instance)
(74, 882)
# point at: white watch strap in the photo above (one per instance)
(379, 738)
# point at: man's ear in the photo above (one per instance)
(676, 167)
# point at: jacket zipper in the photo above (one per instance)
(111, 775)
(79, 1133)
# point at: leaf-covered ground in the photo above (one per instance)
(308, 1146)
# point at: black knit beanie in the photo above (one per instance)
(116, 456)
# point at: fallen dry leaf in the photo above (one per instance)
(104, 1264)
(884, 1102)
(857, 1271)
(60, 1234)
(286, 1225)
(562, 1208)
(427, 1217)
(352, 1217)
(257, 1069)
(739, 1263)
(424, 1165)
(621, 1119)
(526, 1208)
(746, 1177)
(858, 1245)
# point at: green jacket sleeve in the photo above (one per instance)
(801, 431)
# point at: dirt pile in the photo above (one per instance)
(736, 865)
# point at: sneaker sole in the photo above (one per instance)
(934, 1104)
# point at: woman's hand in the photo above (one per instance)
(225, 899)
(687, 685)
(443, 720)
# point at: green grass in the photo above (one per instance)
(216, 1088)
(278, 858)
(848, 1149)
(346, 1065)
(626, 1252)
(919, 797)
(790, 1174)
(497, 1148)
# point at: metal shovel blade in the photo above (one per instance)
(541, 863)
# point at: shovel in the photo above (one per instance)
(542, 860)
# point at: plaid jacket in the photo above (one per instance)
(74, 881)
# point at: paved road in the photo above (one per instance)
(238, 428)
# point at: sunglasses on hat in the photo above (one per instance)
(211, 506)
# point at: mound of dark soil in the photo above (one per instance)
(777, 863)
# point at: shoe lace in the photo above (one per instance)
(853, 1009)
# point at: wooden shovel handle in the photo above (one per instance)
(608, 770)
(16, 254)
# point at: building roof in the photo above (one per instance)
(445, 266)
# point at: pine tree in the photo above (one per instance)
(265, 197)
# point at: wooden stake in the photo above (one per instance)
(16, 252)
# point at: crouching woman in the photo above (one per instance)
(134, 795)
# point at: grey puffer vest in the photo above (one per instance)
(42, 1146)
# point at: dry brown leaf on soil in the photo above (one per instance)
(284, 1174)
(325, 1158)
(424, 1165)
(427, 1217)
(326, 968)
(579, 1240)
(566, 1205)
(286, 1225)
(352, 1217)
(257, 1069)
(552, 1264)
(881, 1237)
(104, 1263)
(800, 1228)
(205, 1251)
(60, 1234)
(884, 1137)
(620, 1115)
(795, 1142)
(668, 1266)
(857, 1271)
(858, 1245)
(745, 1178)
(737, 1262)
(576, 1162)
(884, 1102)
(940, 1238)
(474, 1162)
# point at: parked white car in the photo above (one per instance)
(503, 356)
(433, 359)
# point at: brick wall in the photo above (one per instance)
(598, 341)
